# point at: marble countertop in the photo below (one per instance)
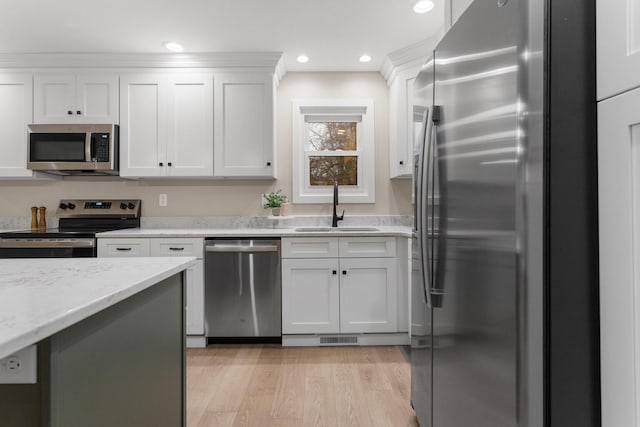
(259, 232)
(39, 297)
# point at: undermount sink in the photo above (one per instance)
(327, 229)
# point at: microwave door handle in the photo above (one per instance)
(88, 148)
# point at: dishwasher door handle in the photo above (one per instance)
(241, 249)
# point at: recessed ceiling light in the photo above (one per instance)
(365, 58)
(173, 46)
(303, 58)
(422, 6)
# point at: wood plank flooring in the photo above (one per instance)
(269, 385)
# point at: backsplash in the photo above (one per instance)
(271, 221)
(239, 222)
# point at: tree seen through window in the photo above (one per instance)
(334, 144)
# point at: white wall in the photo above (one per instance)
(235, 197)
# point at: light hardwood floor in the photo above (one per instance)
(269, 385)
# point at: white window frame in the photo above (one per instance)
(348, 110)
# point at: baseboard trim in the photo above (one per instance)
(323, 340)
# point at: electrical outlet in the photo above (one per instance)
(21, 367)
(162, 200)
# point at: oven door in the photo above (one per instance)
(47, 248)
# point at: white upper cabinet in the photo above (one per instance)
(619, 222)
(618, 46)
(244, 125)
(75, 98)
(190, 126)
(166, 125)
(16, 112)
(401, 128)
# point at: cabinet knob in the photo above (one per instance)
(401, 162)
(334, 272)
(70, 112)
(169, 164)
(344, 272)
(78, 112)
(160, 164)
(268, 163)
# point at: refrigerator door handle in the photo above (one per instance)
(438, 253)
(424, 229)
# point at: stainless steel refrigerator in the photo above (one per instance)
(504, 309)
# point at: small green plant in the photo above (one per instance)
(273, 199)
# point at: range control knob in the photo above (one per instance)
(131, 205)
(71, 205)
(123, 206)
(63, 206)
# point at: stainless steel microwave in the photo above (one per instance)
(68, 149)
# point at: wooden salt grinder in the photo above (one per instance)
(34, 217)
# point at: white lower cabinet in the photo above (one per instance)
(310, 296)
(157, 247)
(349, 285)
(368, 295)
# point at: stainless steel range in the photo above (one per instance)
(75, 236)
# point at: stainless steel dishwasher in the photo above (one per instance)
(242, 289)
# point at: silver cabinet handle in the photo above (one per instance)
(242, 249)
(123, 249)
(176, 249)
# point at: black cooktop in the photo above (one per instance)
(80, 218)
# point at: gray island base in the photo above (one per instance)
(123, 365)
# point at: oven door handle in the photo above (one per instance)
(22, 243)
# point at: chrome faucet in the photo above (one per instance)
(336, 218)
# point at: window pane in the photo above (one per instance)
(325, 170)
(331, 136)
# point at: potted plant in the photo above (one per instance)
(274, 201)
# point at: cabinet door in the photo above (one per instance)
(143, 103)
(617, 46)
(619, 222)
(96, 98)
(368, 295)
(190, 126)
(15, 114)
(401, 128)
(244, 125)
(54, 98)
(310, 296)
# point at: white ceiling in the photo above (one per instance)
(333, 33)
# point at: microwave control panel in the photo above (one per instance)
(100, 147)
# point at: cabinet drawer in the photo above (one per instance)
(176, 247)
(367, 247)
(310, 247)
(123, 247)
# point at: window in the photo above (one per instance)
(333, 142)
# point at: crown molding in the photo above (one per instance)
(271, 60)
(406, 58)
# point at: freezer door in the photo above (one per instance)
(475, 289)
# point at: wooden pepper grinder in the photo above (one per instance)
(42, 221)
(34, 217)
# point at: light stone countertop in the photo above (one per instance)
(40, 297)
(401, 231)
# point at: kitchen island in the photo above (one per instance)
(109, 336)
